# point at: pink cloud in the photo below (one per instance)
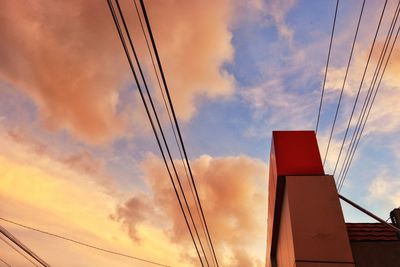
(66, 56)
(194, 42)
(232, 190)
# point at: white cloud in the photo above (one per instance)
(385, 187)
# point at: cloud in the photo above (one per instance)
(385, 187)
(336, 75)
(391, 77)
(278, 10)
(277, 107)
(50, 196)
(270, 13)
(232, 190)
(134, 212)
(194, 46)
(382, 122)
(67, 57)
(64, 193)
(22, 147)
(384, 113)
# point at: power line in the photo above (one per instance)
(369, 109)
(327, 64)
(372, 85)
(27, 250)
(360, 87)
(151, 120)
(344, 81)
(158, 79)
(5, 263)
(80, 242)
(354, 139)
(171, 122)
(122, 39)
(160, 127)
(17, 250)
(175, 120)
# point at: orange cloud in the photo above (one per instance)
(67, 57)
(385, 110)
(232, 190)
(391, 74)
(194, 45)
(60, 193)
(34, 151)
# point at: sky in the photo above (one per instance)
(78, 157)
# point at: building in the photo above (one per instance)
(374, 244)
(306, 227)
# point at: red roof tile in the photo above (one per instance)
(371, 232)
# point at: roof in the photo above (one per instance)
(371, 232)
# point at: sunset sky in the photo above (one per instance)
(77, 154)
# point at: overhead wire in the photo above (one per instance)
(158, 79)
(160, 128)
(122, 39)
(344, 80)
(80, 242)
(327, 65)
(360, 87)
(362, 129)
(13, 247)
(23, 247)
(367, 99)
(369, 108)
(176, 122)
(171, 122)
(4, 262)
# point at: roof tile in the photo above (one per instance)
(371, 232)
